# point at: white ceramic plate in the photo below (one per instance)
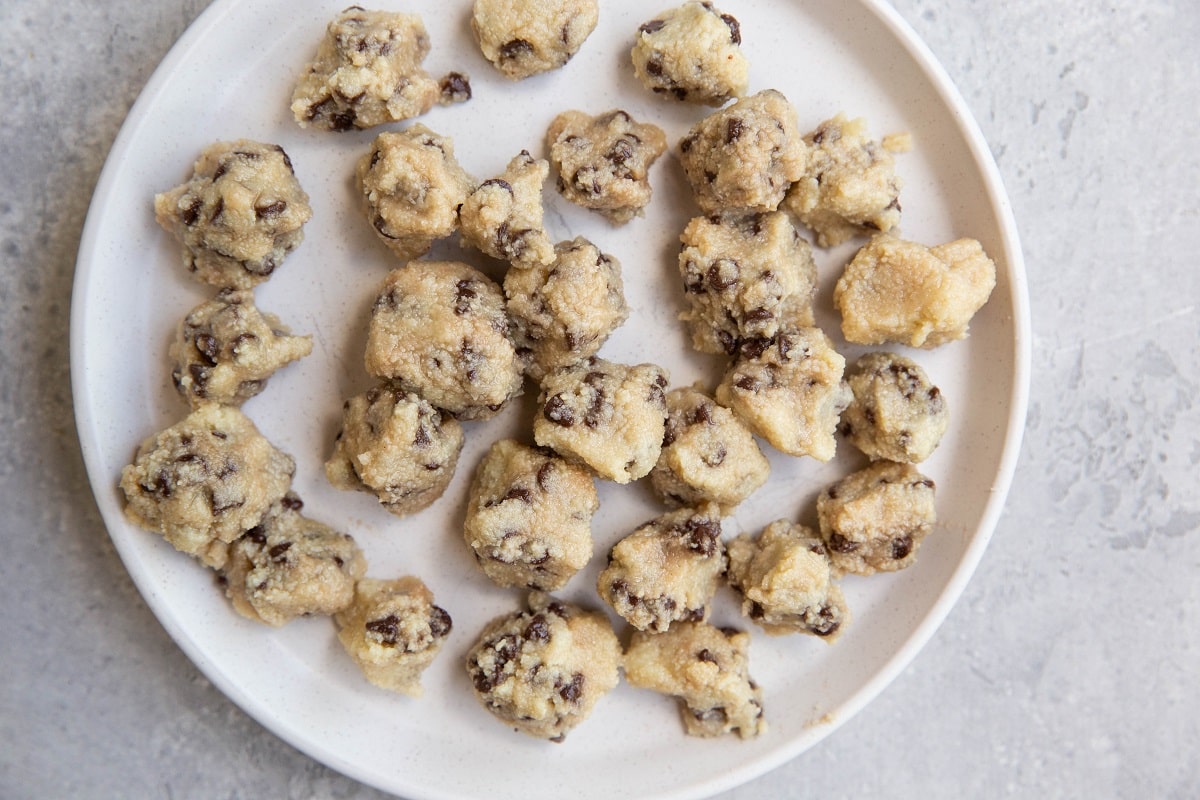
(230, 76)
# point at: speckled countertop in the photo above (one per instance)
(1068, 669)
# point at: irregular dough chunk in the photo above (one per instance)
(503, 217)
(525, 37)
(692, 53)
(897, 414)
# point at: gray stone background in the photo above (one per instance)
(1068, 669)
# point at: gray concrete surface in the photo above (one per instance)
(1068, 669)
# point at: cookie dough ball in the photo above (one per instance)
(608, 416)
(503, 217)
(904, 292)
(743, 275)
(707, 454)
(525, 37)
(564, 311)
(439, 329)
(707, 669)
(744, 157)
(396, 446)
(692, 53)
(529, 517)
(205, 481)
(226, 349)
(786, 581)
(897, 414)
(667, 570)
(367, 71)
(290, 566)
(238, 216)
(412, 187)
(789, 390)
(543, 670)
(393, 631)
(850, 186)
(603, 162)
(874, 520)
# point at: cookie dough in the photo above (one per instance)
(525, 37)
(564, 311)
(608, 416)
(543, 670)
(692, 53)
(412, 186)
(238, 216)
(290, 566)
(707, 669)
(897, 414)
(205, 481)
(367, 71)
(786, 581)
(743, 275)
(529, 517)
(850, 186)
(226, 349)
(903, 292)
(708, 454)
(744, 157)
(396, 446)
(875, 519)
(667, 570)
(789, 390)
(439, 329)
(503, 217)
(393, 631)
(603, 162)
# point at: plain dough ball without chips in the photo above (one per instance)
(525, 37)
(692, 53)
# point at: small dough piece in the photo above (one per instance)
(708, 454)
(238, 216)
(393, 631)
(609, 416)
(744, 157)
(529, 519)
(603, 162)
(543, 670)
(367, 71)
(412, 187)
(226, 349)
(667, 570)
(850, 186)
(707, 669)
(564, 311)
(439, 328)
(743, 275)
(897, 414)
(396, 446)
(205, 481)
(904, 292)
(786, 581)
(503, 217)
(692, 53)
(874, 520)
(290, 566)
(525, 37)
(789, 390)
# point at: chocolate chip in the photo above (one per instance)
(543, 475)
(455, 88)
(191, 214)
(519, 493)
(840, 544)
(557, 411)
(440, 623)
(723, 273)
(272, 210)
(901, 547)
(515, 48)
(706, 655)
(735, 30)
(386, 629)
(573, 690)
(463, 296)
(733, 130)
(291, 502)
(654, 67)
(277, 552)
(538, 629)
(653, 26)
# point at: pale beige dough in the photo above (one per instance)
(411, 187)
(526, 37)
(239, 215)
(875, 519)
(707, 669)
(542, 671)
(503, 216)
(903, 292)
(603, 162)
(393, 631)
(529, 517)
(692, 53)
(897, 414)
(786, 581)
(744, 274)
